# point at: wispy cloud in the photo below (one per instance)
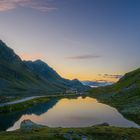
(41, 5)
(85, 56)
(113, 76)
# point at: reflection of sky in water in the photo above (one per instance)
(80, 112)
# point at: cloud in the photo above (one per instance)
(41, 5)
(109, 77)
(115, 76)
(86, 56)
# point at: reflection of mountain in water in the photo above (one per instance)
(8, 120)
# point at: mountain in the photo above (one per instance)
(26, 78)
(48, 74)
(40, 67)
(124, 95)
(95, 84)
(129, 81)
(7, 54)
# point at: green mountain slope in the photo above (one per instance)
(16, 78)
(22, 78)
(124, 95)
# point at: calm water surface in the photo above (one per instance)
(79, 112)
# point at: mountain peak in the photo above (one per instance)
(75, 80)
(1, 41)
(2, 44)
(39, 61)
(8, 54)
(37, 73)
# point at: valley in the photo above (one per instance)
(28, 86)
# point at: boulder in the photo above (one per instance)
(29, 125)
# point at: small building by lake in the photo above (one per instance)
(74, 91)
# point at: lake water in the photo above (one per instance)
(78, 112)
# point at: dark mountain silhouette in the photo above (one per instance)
(28, 78)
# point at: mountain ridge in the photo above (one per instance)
(18, 77)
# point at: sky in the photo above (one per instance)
(84, 39)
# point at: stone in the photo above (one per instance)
(29, 125)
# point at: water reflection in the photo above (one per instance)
(80, 112)
(8, 120)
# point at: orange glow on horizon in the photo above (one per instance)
(83, 77)
(67, 72)
(34, 56)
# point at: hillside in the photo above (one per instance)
(124, 95)
(89, 133)
(48, 74)
(23, 78)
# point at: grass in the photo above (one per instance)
(96, 133)
(124, 95)
(23, 105)
(30, 103)
(127, 102)
(4, 99)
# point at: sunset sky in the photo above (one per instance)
(84, 39)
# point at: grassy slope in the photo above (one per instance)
(124, 95)
(17, 80)
(96, 133)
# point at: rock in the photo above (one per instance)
(84, 138)
(67, 136)
(29, 125)
(71, 135)
(102, 124)
(71, 132)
